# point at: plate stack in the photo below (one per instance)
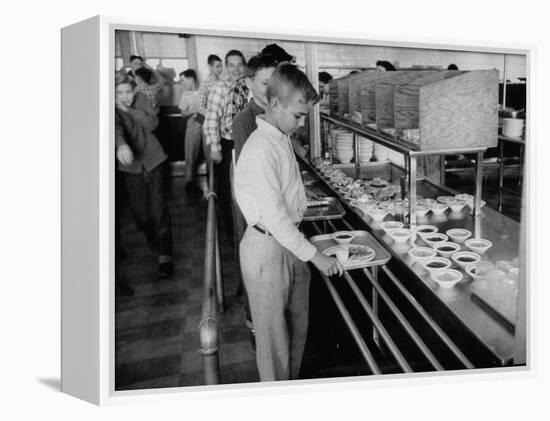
(380, 152)
(344, 147)
(365, 149)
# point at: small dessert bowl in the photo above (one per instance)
(422, 210)
(465, 258)
(439, 208)
(459, 235)
(478, 245)
(447, 278)
(400, 235)
(464, 196)
(378, 214)
(435, 238)
(457, 205)
(390, 226)
(445, 199)
(343, 237)
(446, 248)
(423, 230)
(427, 202)
(436, 263)
(419, 254)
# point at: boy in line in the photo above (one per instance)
(189, 107)
(258, 71)
(215, 69)
(140, 159)
(149, 84)
(274, 252)
(220, 148)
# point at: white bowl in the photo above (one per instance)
(478, 245)
(464, 196)
(445, 199)
(457, 205)
(446, 248)
(465, 258)
(423, 230)
(439, 208)
(400, 235)
(427, 202)
(435, 238)
(479, 270)
(390, 226)
(447, 278)
(377, 214)
(422, 210)
(343, 237)
(436, 263)
(459, 235)
(419, 254)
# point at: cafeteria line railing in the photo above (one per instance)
(379, 330)
(213, 297)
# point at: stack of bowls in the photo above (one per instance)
(365, 149)
(344, 147)
(380, 152)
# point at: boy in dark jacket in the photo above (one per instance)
(140, 157)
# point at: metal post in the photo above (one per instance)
(442, 170)
(412, 191)
(479, 180)
(314, 117)
(500, 172)
(356, 155)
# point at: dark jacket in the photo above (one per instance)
(135, 128)
(244, 124)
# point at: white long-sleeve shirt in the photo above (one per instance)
(269, 188)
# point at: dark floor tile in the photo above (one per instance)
(143, 370)
(155, 330)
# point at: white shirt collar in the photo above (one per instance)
(274, 134)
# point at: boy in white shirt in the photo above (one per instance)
(273, 251)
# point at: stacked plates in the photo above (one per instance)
(343, 146)
(365, 149)
(380, 152)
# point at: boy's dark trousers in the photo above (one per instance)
(148, 204)
(222, 173)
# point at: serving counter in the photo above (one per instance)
(492, 332)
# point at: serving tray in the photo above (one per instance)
(333, 210)
(381, 256)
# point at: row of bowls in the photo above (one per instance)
(436, 259)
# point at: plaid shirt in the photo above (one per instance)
(215, 105)
(236, 100)
(204, 91)
(152, 92)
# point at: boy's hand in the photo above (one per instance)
(328, 266)
(125, 155)
(216, 156)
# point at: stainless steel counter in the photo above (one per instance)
(501, 230)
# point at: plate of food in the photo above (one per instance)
(358, 253)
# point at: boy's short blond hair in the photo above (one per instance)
(286, 80)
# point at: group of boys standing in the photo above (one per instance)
(248, 121)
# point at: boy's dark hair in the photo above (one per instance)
(121, 79)
(325, 77)
(145, 74)
(452, 66)
(235, 53)
(288, 76)
(212, 58)
(386, 65)
(278, 53)
(259, 62)
(134, 57)
(189, 73)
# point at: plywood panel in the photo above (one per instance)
(367, 98)
(384, 95)
(407, 99)
(460, 112)
(354, 95)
